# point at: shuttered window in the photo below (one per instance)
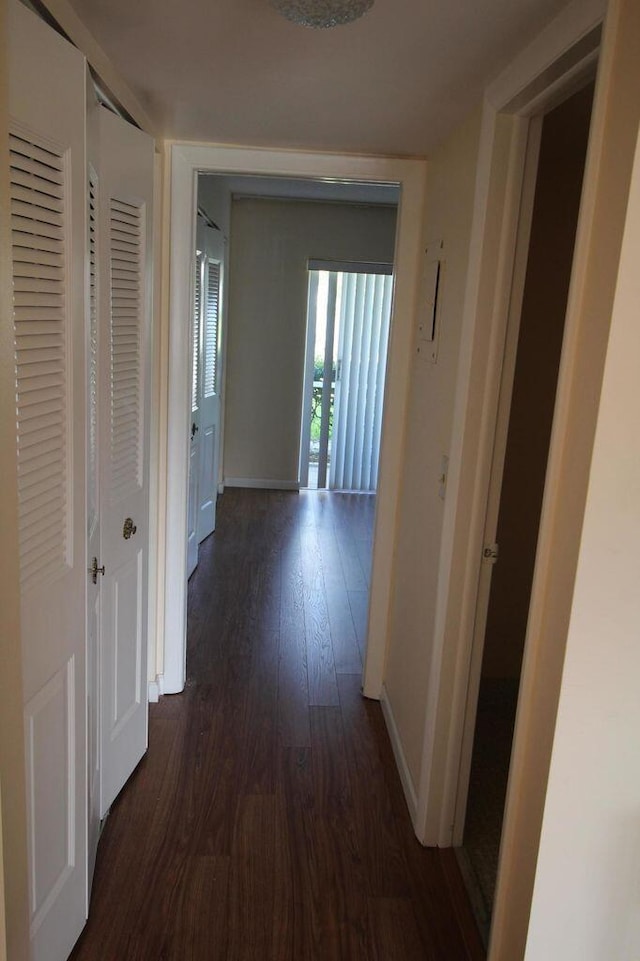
(92, 466)
(126, 242)
(38, 232)
(212, 309)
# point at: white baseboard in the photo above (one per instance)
(262, 483)
(156, 688)
(405, 777)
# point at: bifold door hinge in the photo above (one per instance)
(94, 570)
(490, 552)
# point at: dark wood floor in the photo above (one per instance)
(267, 821)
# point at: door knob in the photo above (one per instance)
(94, 570)
(194, 430)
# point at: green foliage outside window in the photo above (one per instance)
(316, 400)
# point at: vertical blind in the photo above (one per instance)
(363, 311)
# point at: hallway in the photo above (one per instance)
(267, 821)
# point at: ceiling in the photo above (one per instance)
(235, 71)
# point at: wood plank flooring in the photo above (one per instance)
(267, 821)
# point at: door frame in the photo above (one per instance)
(503, 416)
(563, 53)
(599, 234)
(183, 164)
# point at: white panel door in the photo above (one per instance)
(94, 548)
(205, 394)
(125, 200)
(93, 539)
(209, 400)
(48, 199)
(196, 393)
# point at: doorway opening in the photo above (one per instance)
(254, 340)
(544, 255)
(404, 184)
(348, 316)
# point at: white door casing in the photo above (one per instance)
(125, 207)
(185, 162)
(48, 190)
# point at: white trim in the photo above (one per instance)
(186, 161)
(573, 23)
(154, 691)
(477, 389)
(262, 483)
(403, 768)
(69, 21)
(349, 266)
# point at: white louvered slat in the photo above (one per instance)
(211, 317)
(39, 295)
(126, 248)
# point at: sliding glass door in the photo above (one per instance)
(349, 308)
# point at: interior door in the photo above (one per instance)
(196, 390)
(209, 399)
(205, 393)
(48, 209)
(94, 548)
(125, 192)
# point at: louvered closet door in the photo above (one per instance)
(94, 547)
(48, 196)
(125, 199)
(210, 380)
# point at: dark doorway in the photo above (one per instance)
(565, 132)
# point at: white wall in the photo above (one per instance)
(450, 196)
(271, 242)
(585, 904)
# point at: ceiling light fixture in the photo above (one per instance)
(321, 13)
